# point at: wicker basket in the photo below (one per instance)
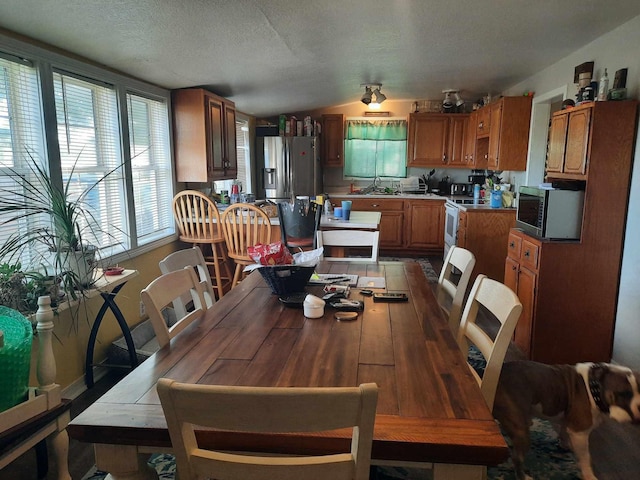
(286, 279)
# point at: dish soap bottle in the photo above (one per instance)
(603, 88)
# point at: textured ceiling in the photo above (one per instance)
(275, 56)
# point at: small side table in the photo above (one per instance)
(108, 286)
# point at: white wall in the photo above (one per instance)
(615, 50)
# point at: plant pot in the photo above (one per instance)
(81, 264)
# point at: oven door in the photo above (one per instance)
(450, 226)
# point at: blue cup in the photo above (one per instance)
(346, 209)
(337, 212)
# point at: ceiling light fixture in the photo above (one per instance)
(368, 95)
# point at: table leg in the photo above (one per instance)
(60, 444)
(123, 462)
(109, 303)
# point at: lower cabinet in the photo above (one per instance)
(424, 225)
(406, 226)
(484, 232)
(521, 275)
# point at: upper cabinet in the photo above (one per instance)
(333, 140)
(509, 120)
(205, 136)
(569, 138)
(436, 139)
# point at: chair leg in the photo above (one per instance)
(236, 275)
(224, 261)
(216, 269)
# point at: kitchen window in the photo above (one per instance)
(375, 148)
(81, 126)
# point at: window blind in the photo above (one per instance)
(21, 138)
(151, 167)
(90, 157)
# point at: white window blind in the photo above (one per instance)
(90, 155)
(21, 137)
(242, 154)
(151, 167)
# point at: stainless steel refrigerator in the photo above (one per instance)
(288, 167)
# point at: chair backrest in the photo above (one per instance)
(270, 410)
(197, 217)
(453, 283)
(349, 239)
(299, 222)
(244, 225)
(189, 257)
(505, 306)
(162, 292)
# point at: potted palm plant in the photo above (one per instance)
(60, 226)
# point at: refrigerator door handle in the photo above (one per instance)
(288, 173)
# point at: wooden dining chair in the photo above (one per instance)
(299, 222)
(272, 410)
(500, 301)
(198, 221)
(162, 292)
(453, 283)
(189, 257)
(244, 225)
(342, 239)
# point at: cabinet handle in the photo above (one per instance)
(444, 158)
(481, 125)
(514, 268)
(527, 254)
(375, 205)
(512, 244)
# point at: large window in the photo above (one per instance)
(375, 148)
(87, 128)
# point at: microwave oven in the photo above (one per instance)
(550, 213)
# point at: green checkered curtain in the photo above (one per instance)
(376, 148)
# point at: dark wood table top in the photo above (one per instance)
(430, 408)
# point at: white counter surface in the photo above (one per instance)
(358, 220)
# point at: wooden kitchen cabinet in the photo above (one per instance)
(510, 118)
(424, 228)
(484, 232)
(469, 142)
(391, 220)
(569, 289)
(436, 139)
(569, 142)
(484, 122)
(205, 136)
(333, 140)
(521, 275)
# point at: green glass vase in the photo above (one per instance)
(15, 357)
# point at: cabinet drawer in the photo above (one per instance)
(376, 204)
(530, 253)
(514, 246)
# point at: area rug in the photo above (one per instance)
(427, 269)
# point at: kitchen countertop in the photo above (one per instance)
(428, 196)
(358, 220)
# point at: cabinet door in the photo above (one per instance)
(557, 142)
(526, 292)
(455, 147)
(425, 226)
(391, 229)
(461, 236)
(333, 140)
(577, 142)
(469, 145)
(231, 159)
(427, 139)
(494, 136)
(216, 136)
(484, 122)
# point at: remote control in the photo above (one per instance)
(390, 297)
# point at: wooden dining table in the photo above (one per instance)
(430, 410)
